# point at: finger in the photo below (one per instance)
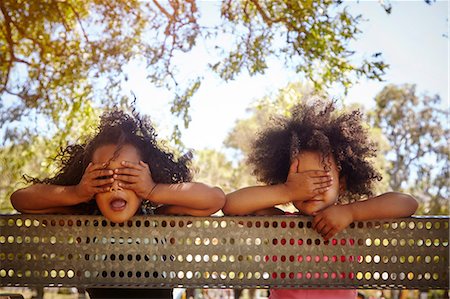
(317, 173)
(325, 231)
(91, 166)
(319, 191)
(126, 185)
(316, 221)
(329, 234)
(126, 178)
(129, 164)
(323, 184)
(100, 173)
(142, 163)
(322, 227)
(128, 171)
(101, 189)
(101, 182)
(96, 166)
(322, 180)
(294, 166)
(88, 166)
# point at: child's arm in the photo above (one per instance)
(298, 186)
(334, 219)
(44, 198)
(196, 199)
(189, 198)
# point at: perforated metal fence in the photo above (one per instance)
(244, 252)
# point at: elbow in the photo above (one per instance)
(16, 201)
(217, 200)
(409, 203)
(413, 204)
(229, 210)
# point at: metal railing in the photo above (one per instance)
(237, 252)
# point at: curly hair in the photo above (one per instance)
(120, 128)
(316, 126)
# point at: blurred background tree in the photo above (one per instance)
(418, 154)
(63, 62)
(59, 53)
(62, 59)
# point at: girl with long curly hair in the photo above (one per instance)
(318, 160)
(120, 171)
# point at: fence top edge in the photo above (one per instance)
(418, 217)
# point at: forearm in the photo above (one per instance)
(384, 206)
(195, 196)
(44, 198)
(251, 199)
(179, 210)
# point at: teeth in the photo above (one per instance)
(118, 203)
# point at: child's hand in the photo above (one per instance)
(332, 220)
(307, 184)
(96, 179)
(136, 177)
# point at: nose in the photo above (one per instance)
(115, 186)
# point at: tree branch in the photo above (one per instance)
(163, 10)
(8, 22)
(79, 22)
(265, 17)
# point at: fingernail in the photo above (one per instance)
(116, 170)
(115, 176)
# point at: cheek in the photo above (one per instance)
(134, 201)
(101, 199)
(135, 204)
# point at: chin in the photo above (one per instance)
(117, 217)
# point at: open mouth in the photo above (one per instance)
(117, 204)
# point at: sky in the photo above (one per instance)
(411, 39)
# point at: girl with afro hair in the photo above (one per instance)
(119, 172)
(318, 160)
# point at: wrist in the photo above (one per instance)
(79, 196)
(151, 193)
(286, 193)
(351, 211)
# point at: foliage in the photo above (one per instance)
(56, 54)
(216, 169)
(33, 155)
(260, 112)
(414, 126)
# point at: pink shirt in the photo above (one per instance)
(312, 294)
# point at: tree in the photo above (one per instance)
(216, 169)
(414, 126)
(56, 54)
(34, 156)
